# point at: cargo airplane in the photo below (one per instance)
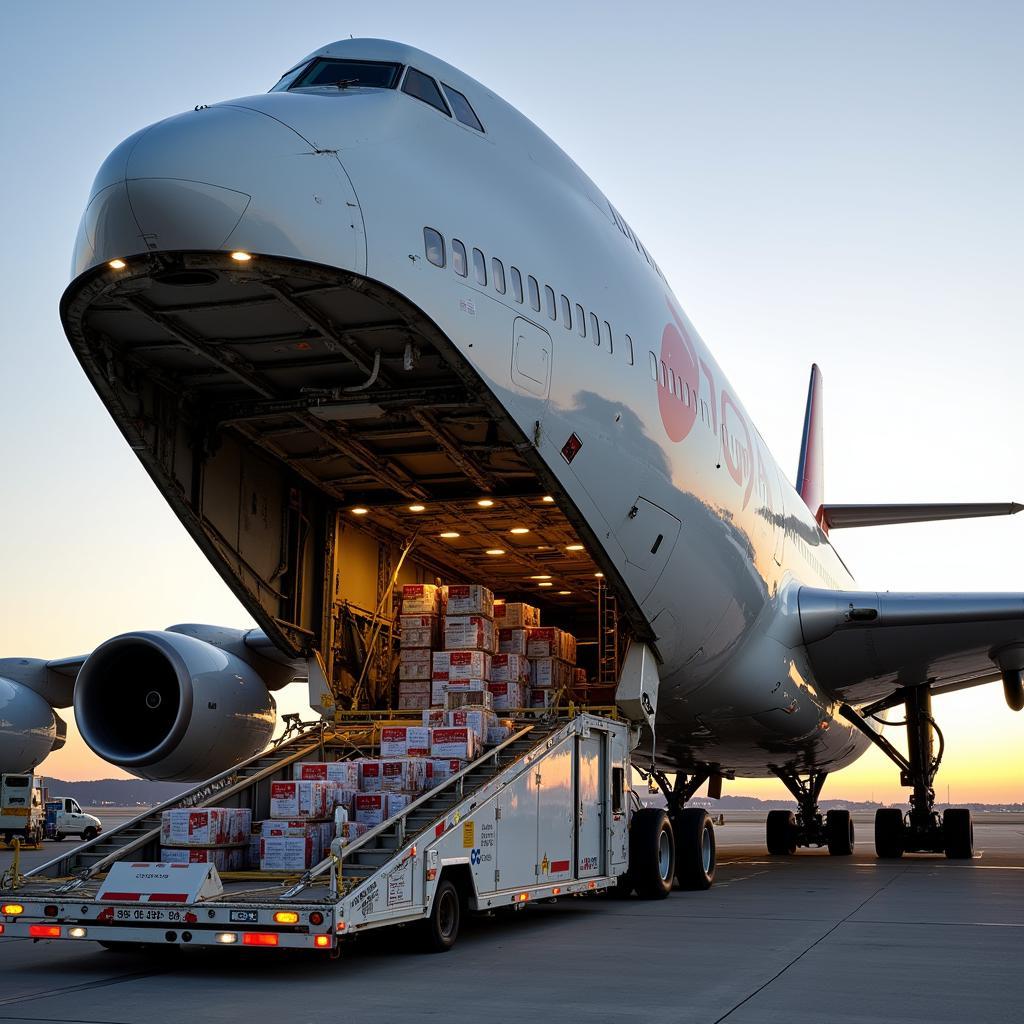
(374, 326)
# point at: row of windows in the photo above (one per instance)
(621, 224)
(379, 74)
(557, 307)
(667, 378)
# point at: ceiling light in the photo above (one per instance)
(485, 503)
(360, 511)
(417, 508)
(450, 534)
(564, 593)
(599, 575)
(548, 500)
(495, 551)
(241, 257)
(540, 577)
(573, 547)
(545, 584)
(117, 264)
(519, 529)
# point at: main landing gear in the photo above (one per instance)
(785, 831)
(921, 829)
(691, 828)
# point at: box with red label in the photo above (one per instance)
(433, 717)
(287, 853)
(470, 599)
(510, 668)
(404, 741)
(374, 808)
(459, 698)
(450, 666)
(414, 694)
(345, 772)
(398, 775)
(496, 734)
(551, 672)
(515, 615)
(454, 742)
(421, 599)
(441, 769)
(310, 830)
(309, 798)
(477, 719)
(341, 796)
(469, 632)
(230, 858)
(506, 695)
(418, 631)
(414, 663)
(551, 642)
(543, 698)
(513, 641)
(203, 826)
(351, 830)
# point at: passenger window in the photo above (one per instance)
(672, 382)
(459, 264)
(595, 329)
(629, 350)
(517, 284)
(581, 321)
(549, 297)
(566, 313)
(534, 292)
(654, 366)
(434, 244)
(424, 88)
(498, 275)
(463, 111)
(664, 374)
(608, 333)
(480, 267)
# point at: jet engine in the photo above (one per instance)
(180, 704)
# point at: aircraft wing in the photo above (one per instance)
(864, 645)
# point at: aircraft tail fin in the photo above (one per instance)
(810, 475)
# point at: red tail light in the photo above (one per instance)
(258, 939)
(44, 931)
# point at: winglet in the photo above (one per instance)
(810, 475)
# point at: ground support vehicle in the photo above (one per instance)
(65, 817)
(22, 808)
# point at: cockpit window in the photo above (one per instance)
(423, 87)
(367, 74)
(460, 105)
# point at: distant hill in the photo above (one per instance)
(116, 792)
(752, 803)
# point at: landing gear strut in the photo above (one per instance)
(696, 853)
(922, 829)
(785, 831)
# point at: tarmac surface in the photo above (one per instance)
(800, 939)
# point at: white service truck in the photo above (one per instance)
(22, 808)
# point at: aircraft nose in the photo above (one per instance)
(222, 177)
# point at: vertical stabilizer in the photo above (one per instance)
(810, 475)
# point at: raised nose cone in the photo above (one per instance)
(224, 177)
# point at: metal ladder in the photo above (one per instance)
(607, 638)
(226, 789)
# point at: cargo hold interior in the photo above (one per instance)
(306, 425)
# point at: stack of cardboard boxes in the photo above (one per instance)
(206, 835)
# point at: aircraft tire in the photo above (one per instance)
(696, 854)
(839, 833)
(780, 833)
(889, 830)
(652, 853)
(958, 833)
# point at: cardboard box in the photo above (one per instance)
(510, 668)
(438, 689)
(434, 717)
(441, 769)
(480, 720)
(507, 696)
(223, 858)
(469, 632)
(515, 614)
(458, 742)
(421, 599)
(353, 830)
(470, 599)
(399, 775)
(287, 853)
(308, 798)
(551, 672)
(496, 734)
(342, 796)
(374, 808)
(579, 677)
(309, 830)
(205, 826)
(404, 741)
(513, 641)
(450, 666)
(418, 631)
(459, 698)
(414, 663)
(551, 642)
(369, 776)
(543, 698)
(345, 772)
(414, 694)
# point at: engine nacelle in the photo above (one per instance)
(169, 706)
(29, 728)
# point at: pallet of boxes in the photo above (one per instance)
(206, 835)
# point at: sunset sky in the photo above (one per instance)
(829, 183)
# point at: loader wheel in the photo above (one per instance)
(695, 848)
(441, 928)
(652, 854)
(58, 837)
(89, 834)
